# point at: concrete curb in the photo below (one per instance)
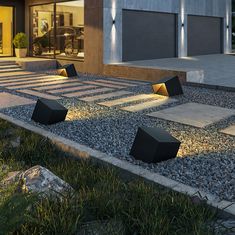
(225, 208)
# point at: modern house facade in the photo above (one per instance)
(96, 35)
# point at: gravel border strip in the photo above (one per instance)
(225, 208)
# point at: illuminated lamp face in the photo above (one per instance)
(68, 71)
(62, 72)
(168, 87)
(160, 89)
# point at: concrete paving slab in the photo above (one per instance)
(105, 85)
(115, 83)
(105, 96)
(148, 105)
(88, 92)
(194, 114)
(60, 86)
(51, 78)
(128, 99)
(229, 130)
(13, 74)
(39, 94)
(76, 88)
(9, 100)
(39, 84)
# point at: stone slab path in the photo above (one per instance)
(148, 105)
(70, 89)
(9, 100)
(38, 94)
(229, 130)
(194, 114)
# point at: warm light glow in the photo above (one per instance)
(160, 89)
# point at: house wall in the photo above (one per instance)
(113, 10)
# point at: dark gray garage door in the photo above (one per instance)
(204, 35)
(148, 35)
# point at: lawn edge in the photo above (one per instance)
(225, 208)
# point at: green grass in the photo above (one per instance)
(100, 194)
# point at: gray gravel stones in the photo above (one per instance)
(206, 159)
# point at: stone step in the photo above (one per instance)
(105, 96)
(38, 84)
(88, 92)
(103, 81)
(104, 84)
(148, 105)
(52, 78)
(128, 100)
(67, 90)
(57, 87)
(39, 94)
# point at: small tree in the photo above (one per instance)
(20, 41)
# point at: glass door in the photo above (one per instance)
(6, 31)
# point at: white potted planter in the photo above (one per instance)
(21, 43)
(21, 52)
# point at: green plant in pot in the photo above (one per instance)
(21, 43)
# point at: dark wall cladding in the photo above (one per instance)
(205, 35)
(19, 8)
(148, 35)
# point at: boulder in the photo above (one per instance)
(40, 180)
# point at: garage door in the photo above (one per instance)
(204, 35)
(148, 35)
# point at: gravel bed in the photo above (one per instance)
(206, 159)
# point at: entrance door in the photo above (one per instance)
(6, 31)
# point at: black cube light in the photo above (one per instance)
(168, 87)
(68, 70)
(152, 145)
(49, 112)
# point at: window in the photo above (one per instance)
(58, 30)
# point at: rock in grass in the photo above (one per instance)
(40, 180)
(11, 177)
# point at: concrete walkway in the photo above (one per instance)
(216, 70)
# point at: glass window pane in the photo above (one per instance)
(42, 28)
(70, 29)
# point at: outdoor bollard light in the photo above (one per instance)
(49, 112)
(168, 87)
(152, 145)
(68, 70)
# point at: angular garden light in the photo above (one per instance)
(168, 87)
(154, 145)
(49, 112)
(68, 70)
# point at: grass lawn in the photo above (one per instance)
(102, 198)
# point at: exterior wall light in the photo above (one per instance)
(227, 26)
(114, 21)
(182, 25)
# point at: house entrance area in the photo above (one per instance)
(6, 31)
(57, 30)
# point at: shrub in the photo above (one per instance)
(20, 41)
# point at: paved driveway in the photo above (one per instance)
(219, 70)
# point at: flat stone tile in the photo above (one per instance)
(104, 85)
(10, 70)
(116, 83)
(88, 92)
(148, 105)
(10, 100)
(194, 114)
(22, 80)
(32, 82)
(129, 81)
(39, 94)
(60, 86)
(21, 77)
(128, 100)
(77, 88)
(105, 96)
(39, 84)
(229, 130)
(11, 74)
(12, 66)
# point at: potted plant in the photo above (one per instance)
(21, 43)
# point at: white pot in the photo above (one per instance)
(21, 52)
